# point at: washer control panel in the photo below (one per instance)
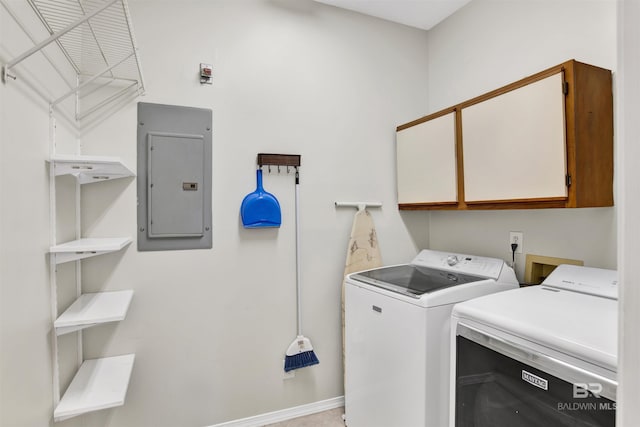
(461, 263)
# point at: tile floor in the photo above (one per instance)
(330, 418)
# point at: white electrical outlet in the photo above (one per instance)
(518, 238)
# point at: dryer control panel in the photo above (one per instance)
(460, 263)
(586, 280)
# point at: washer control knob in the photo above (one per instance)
(452, 260)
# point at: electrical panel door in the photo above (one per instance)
(174, 177)
(176, 174)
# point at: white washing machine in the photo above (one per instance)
(538, 356)
(397, 335)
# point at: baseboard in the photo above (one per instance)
(285, 414)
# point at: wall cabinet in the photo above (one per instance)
(514, 144)
(426, 161)
(545, 141)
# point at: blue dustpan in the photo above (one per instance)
(260, 209)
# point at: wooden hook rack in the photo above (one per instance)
(292, 160)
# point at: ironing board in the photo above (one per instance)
(363, 253)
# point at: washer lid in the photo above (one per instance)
(413, 280)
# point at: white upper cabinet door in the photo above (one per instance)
(514, 144)
(426, 156)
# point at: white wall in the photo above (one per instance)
(490, 43)
(25, 306)
(628, 244)
(25, 320)
(209, 328)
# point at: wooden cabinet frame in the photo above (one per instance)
(589, 141)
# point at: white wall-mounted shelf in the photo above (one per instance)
(85, 248)
(99, 62)
(99, 384)
(89, 169)
(81, 57)
(93, 309)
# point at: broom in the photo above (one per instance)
(300, 353)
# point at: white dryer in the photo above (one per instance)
(397, 334)
(538, 356)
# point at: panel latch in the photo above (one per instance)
(190, 186)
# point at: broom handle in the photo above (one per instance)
(298, 297)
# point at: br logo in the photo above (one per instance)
(582, 390)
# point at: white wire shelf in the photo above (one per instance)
(98, 384)
(96, 39)
(85, 248)
(89, 169)
(92, 309)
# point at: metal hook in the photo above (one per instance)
(278, 168)
(269, 168)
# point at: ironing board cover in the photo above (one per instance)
(363, 253)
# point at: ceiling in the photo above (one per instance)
(422, 14)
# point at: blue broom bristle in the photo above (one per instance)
(300, 360)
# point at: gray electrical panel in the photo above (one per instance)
(174, 177)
